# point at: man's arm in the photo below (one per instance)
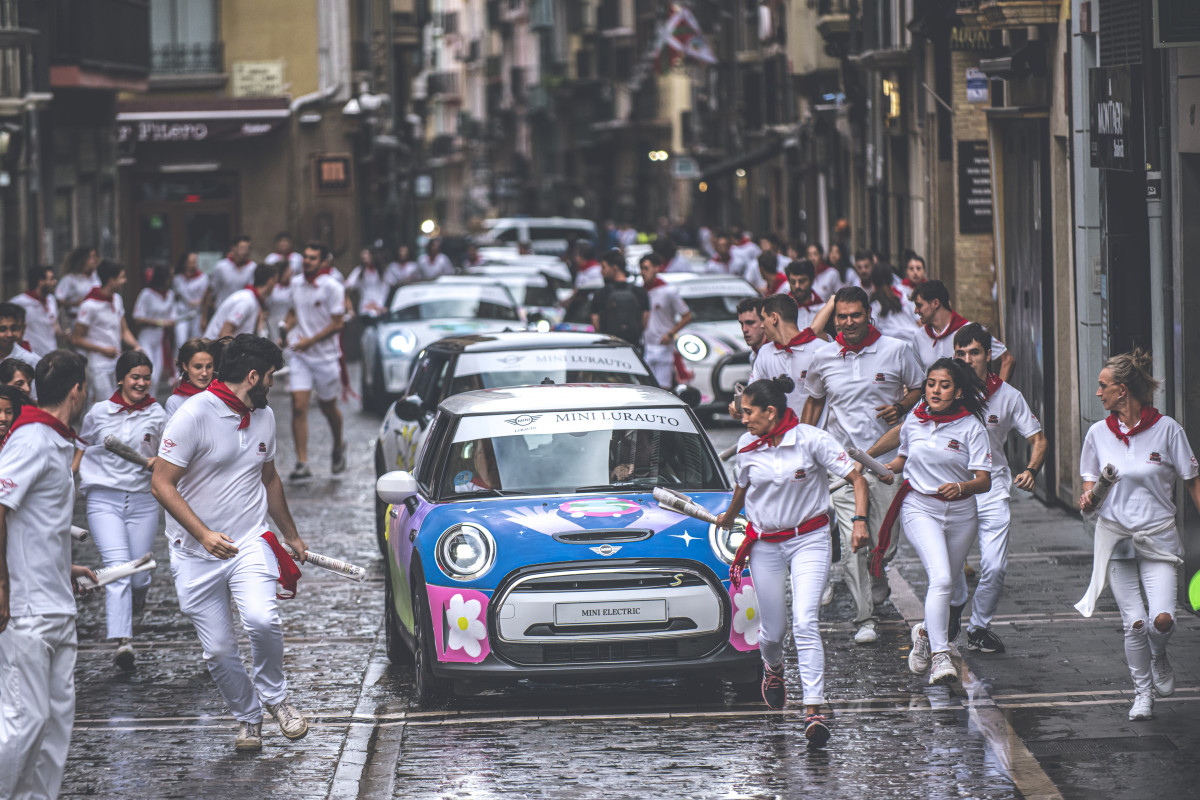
(813, 407)
(821, 320)
(336, 323)
(1007, 364)
(164, 485)
(1037, 456)
(3, 568)
(79, 339)
(277, 507)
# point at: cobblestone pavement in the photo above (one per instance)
(163, 731)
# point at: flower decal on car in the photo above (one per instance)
(744, 635)
(459, 618)
(465, 630)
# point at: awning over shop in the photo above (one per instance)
(750, 159)
(216, 119)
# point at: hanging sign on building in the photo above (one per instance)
(1116, 117)
(974, 187)
(332, 174)
(977, 85)
(257, 78)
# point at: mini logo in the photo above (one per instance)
(880, 377)
(7, 485)
(993, 419)
(524, 420)
(1155, 458)
(1194, 464)
(800, 475)
(262, 448)
(954, 445)
(605, 549)
(510, 360)
(167, 444)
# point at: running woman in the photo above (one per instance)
(216, 477)
(100, 329)
(196, 364)
(122, 514)
(946, 459)
(782, 482)
(1137, 544)
(1006, 411)
(192, 293)
(155, 311)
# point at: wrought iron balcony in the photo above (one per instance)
(442, 83)
(188, 59)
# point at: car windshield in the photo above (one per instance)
(529, 367)
(714, 308)
(533, 294)
(565, 452)
(452, 301)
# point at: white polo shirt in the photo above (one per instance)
(773, 361)
(223, 478)
(666, 307)
(431, 268)
(372, 286)
(103, 321)
(22, 354)
(854, 386)
(241, 308)
(398, 274)
(71, 290)
(1007, 411)
(945, 453)
(316, 305)
(590, 277)
(1149, 466)
(788, 484)
(808, 312)
(929, 348)
(152, 305)
(227, 277)
(141, 430)
(40, 317)
(37, 487)
(190, 291)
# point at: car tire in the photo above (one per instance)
(398, 651)
(380, 507)
(428, 689)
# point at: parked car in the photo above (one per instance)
(532, 291)
(420, 314)
(547, 235)
(527, 544)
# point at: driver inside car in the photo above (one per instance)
(485, 476)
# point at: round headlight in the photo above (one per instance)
(466, 551)
(543, 326)
(692, 347)
(726, 542)
(402, 341)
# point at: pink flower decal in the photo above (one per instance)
(459, 618)
(743, 633)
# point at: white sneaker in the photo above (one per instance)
(827, 594)
(867, 632)
(1143, 706)
(124, 658)
(291, 721)
(249, 738)
(942, 670)
(918, 657)
(1162, 675)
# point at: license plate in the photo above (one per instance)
(610, 613)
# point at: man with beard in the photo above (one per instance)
(216, 477)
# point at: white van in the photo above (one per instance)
(547, 235)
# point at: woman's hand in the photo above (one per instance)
(951, 491)
(1086, 501)
(727, 520)
(859, 536)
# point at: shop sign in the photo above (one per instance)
(333, 174)
(977, 86)
(198, 130)
(1116, 117)
(257, 78)
(973, 40)
(974, 187)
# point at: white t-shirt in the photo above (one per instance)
(666, 307)
(371, 284)
(808, 312)
(228, 277)
(589, 277)
(1007, 411)
(22, 354)
(1149, 466)
(773, 361)
(743, 255)
(173, 403)
(223, 478)
(71, 290)
(945, 453)
(930, 348)
(754, 277)
(827, 282)
(295, 261)
(788, 484)
(399, 274)
(241, 308)
(103, 321)
(37, 487)
(854, 386)
(431, 268)
(190, 291)
(316, 305)
(40, 318)
(152, 305)
(717, 266)
(141, 430)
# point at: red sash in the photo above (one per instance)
(753, 535)
(289, 572)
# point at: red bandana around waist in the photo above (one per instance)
(289, 571)
(185, 389)
(233, 401)
(922, 412)
(871, 338)
(956, 322)
(803, 337)
(1149, 416)
(789, 421)
(32, 414)
(753, 535)
(145, 402)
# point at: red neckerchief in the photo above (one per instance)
(788, 422)
(289, 572)
(722, 259)
(908, 283)
(233, 401)
(32, 414)
(956, 322)
(98, 294)
(186, 389)
(897, 292)
(923, 413)
(654, 284)
(803, 337)
(1149, 416)
(993, 383)
(871, 338)
(814, 299)
(774, 283)
(312, 281)
(44, 301)
(821, 267)
(753, 535)
(237, 263)
(199, 274)
(744, 241)
(261, 302)
(145, 402)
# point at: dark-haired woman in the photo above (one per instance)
(891, 311)
(122, 514)
(12, 400)
(192, 297)
(946, 458)
(77, 279)
(781, 481)
(840, 276)
(196, 370)
(155, 312)
(18, 373)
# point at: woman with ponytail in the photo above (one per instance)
(946, 458)
(1137, 545)
(196, 369)
(781, 482)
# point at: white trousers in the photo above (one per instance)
(1128, 578)
(124, 525)
(151, 340)
(37, 704)
(206, 589)
(941, 532)
(994, 518)
(101, 376)
(661, 360)
(807, 558)
(855, 569)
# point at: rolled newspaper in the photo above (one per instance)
(79, 534)
(107, 575)
(1108, 477)
(682, 504)
(114, 445)
(728, 452)
(738, 390)
(868, 461)
(350, 571)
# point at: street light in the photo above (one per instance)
(428, 227)
(659, 155)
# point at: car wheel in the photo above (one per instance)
(381, 519)
(398, 651)
(428, 689)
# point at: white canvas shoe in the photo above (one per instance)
(918, 657)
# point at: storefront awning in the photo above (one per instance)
(174, 122)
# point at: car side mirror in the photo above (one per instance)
(396, 487)
(411, 408)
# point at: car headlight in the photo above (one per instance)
(691, 347)
(402, 341)
(465, 551)
(543, 326)
(726, 542)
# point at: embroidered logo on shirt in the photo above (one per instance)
(262, 448)
(954, 445)
(167, 445)
(993, 419)
(880, 377)
(1155, 458)
(146, 438)
(800, 475)
(7, 485)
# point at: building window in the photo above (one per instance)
(184, 37)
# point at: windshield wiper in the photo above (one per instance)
(487, 493)
(631, 486)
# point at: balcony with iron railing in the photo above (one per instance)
(443, 84)
(1010, 13)
(198, 58)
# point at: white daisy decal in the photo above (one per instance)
(745, 618)
(466, 629)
